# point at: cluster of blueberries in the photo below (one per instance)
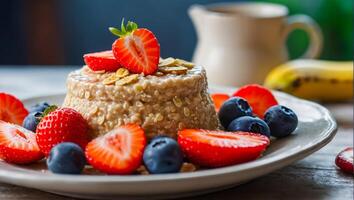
(236, 115)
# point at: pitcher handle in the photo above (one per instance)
(309, 25)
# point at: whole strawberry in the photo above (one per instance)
(61, 125)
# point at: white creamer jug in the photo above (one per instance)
(239, 43)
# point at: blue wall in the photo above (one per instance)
(83, 26)
(12, 38)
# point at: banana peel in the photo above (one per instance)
(325, 81)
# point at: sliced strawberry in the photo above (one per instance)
(61, 125)
(344, 160)
(219, 99)
(18, 145)
(103, 60)
(137, 49)
(118, 152)
(258, 97)
(219, 148)
(12, 109)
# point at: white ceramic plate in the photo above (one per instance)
(316, 128)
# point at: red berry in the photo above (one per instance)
(218, 148)
(344, 160)
(137, 49)
(18, 145)
(103, 60)
(119, 151)
(61, 125)
(219, 99)
(12, 109)
(258, 97)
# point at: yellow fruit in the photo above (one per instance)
(314, 79)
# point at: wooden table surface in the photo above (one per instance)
(315, 177)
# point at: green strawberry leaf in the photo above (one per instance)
(115, 31)
(134, 25)
(122, 27)
(125, 29)
(49, 110)
(129, 26)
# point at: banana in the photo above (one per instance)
(326, 81)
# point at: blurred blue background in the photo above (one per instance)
(60, 31)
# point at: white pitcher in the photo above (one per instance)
(239, 43)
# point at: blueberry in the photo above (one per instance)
(31, 121)
(66, 158)
(281, 120)
(233, 108)
(39, 107)
(249, 124)
(163, 155)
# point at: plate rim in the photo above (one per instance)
(329, 133)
